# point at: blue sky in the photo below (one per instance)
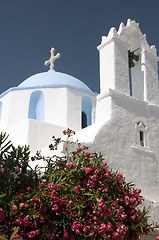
(29, 28)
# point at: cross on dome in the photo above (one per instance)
(52, 59)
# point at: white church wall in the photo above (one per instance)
(103, 108)
(34, 133)
(19, 133)
(56, 106)
(74, 114)
(61, 109)
(114, 72)
(150, 69)
(17, 110)
(40, 134)
(139, 164)
(107, 73)
(74, 109)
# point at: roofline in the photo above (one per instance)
(47, 86)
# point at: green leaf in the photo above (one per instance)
(14, 233)
(87, 194)
(3, 238)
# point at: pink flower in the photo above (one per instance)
(71, 165)
(109, 226)
(29, 189)
(58, 185)
(32, 234)
(107, 174)
(50, 185)
(71, 203)
(2, 216)
(126, 198)
(86, 229)
(60, 162)
(51, 234)
(64, 132)
(120, 175)
(133, 217)
(17, 236)
(65, 235)
(157, 238)
(103, 228)
(42, 219)
(53, 194)
(88, 170)
(79, 150)
(43, 195)
(16, 169)
(123, 216)
(96, 171)
(77, 189)
(37, 232)
(26, 206)
(44, 208)
(101, 200)
(63, 201)
(131, 200)
(105, 190)
(14, 207)
(1, 170)
(90, 184)
(26, 221)
(88, 155)
(51, 147)
(113, 204)
(35, 201)
(32, 158)
(3, 235)
(55, 208)
(21, 205)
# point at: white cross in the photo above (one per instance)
(52, 59)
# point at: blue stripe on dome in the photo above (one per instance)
(51, 79)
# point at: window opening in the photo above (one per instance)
(36, 106)
(141, 138)
(86, 111)
(84, 120)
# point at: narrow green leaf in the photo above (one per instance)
(14, 233)
(3, 238)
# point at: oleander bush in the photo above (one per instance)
(76, 197)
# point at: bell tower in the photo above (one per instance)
(114, 71)
(128, 64)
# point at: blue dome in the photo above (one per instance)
(52, 79)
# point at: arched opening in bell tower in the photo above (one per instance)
(136, 75)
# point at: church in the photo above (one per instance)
(121, 122)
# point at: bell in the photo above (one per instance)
(131, 63)
(132, 57)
